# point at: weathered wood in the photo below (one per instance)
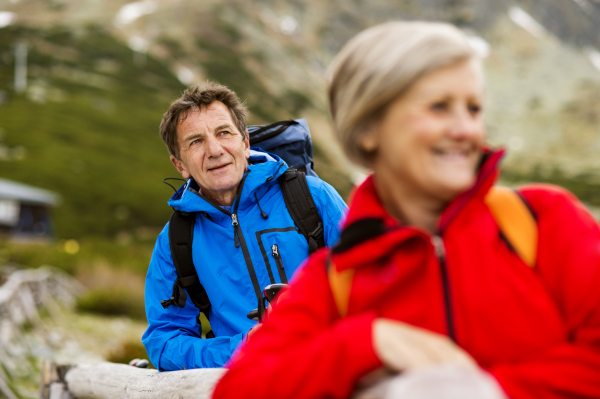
(120, 381)
(49, 376)
(59, 391)
(436, 382)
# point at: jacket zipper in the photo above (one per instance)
(277, 255)
(239, 240)
(440, 252)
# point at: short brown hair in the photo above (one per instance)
(196, 97)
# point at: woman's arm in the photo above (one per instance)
(569, 265)
(303, 350)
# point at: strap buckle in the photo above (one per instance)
(317, 233)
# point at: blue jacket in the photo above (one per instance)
(173, 339)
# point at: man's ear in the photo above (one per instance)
(247, 145)
(179, 165)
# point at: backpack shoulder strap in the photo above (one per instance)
(181, 236)
(515, 220)
(513, 216)
(302, 208)
(340, 284)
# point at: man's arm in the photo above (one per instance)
(173, 340)
(331, 207)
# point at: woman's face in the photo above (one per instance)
(429, 140)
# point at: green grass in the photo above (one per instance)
(132, 257)
(109, 301)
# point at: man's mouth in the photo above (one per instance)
(219, 167)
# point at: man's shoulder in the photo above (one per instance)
(320, 189)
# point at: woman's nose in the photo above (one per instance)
(465, 124)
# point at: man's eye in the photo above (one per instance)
(195, 141)
(224, 132)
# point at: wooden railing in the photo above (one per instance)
(114, 381)
(22, 294)
(120, 381)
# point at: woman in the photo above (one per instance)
(430, 278)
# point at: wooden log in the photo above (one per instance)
(59, 391)
(120, 381)
(48, 377)
(435, 382)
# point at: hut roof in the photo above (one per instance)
(27, 194)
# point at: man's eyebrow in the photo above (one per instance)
(224, 126)
(192, 137)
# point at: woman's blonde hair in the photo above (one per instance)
(378, 65)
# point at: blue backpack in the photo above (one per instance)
(289, 139)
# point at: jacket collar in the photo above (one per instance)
(263, 168)
(370, 232)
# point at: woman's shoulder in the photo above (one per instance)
(558, 211)
(543, 197)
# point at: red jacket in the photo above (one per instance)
(537, 330)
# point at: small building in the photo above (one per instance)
(25, 211)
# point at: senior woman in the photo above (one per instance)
(425, 273)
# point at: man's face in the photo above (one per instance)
(212, 151)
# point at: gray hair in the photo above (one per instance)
(379, 65)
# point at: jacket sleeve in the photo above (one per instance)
(303, 349)
(331, 207)
(568, 260)
(173, 340)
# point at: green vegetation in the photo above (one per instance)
(586, 187)
(113, 302)
(88, 126)
(127, 351)
(130, 256)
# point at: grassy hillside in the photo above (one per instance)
(87, 128)
(87, 125)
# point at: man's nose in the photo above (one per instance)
(213, 147)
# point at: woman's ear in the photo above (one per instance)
(369, 141)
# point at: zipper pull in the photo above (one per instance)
(438, 244)
(235, 224)
(275, 250)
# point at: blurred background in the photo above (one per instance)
(84, 84)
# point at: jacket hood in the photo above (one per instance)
(370, 232)
(263, 168)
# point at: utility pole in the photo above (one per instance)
(20, 67)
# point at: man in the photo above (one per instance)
(244, 237)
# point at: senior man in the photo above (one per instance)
(243, 235)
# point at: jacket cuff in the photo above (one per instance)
(357, 333)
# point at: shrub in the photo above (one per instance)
(113, 302)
